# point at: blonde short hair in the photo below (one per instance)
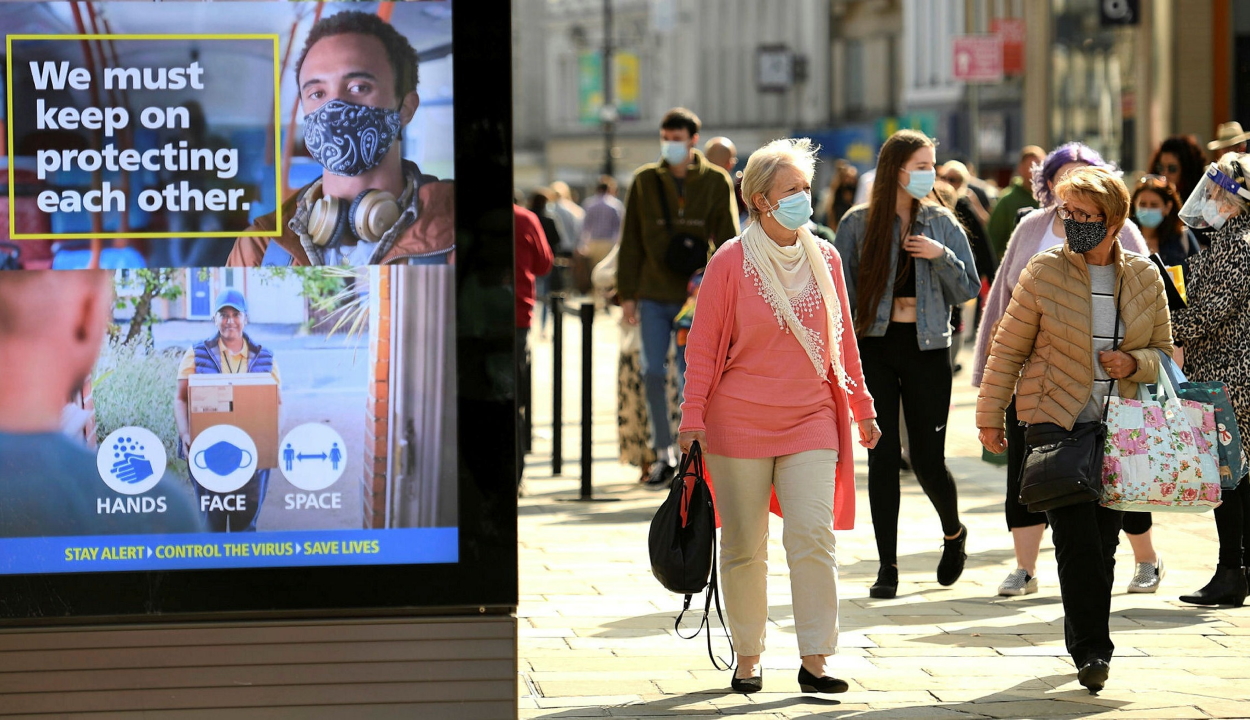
(1100, 187)
(762, 166)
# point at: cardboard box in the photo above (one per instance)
(248, 401)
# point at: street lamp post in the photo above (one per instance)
(607, 114)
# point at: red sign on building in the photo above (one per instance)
(978, 58)
(1011, 30)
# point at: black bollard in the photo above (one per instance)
(587, 313)
(557, 384)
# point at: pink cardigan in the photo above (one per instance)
(708, 346)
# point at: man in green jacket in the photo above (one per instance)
(1018, 196)
(681, 194)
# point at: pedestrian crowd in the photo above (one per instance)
(774, 325)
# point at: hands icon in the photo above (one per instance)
(132, 468)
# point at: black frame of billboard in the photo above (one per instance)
(485, 578)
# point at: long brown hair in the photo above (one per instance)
(874, 259)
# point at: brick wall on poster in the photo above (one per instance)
(377, 413)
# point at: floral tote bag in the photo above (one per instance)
(1160, 454)
(1232, 459)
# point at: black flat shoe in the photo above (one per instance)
(749, 685)
(1227, 587)
(1093, 675)
(809, 683)
(951, 566)
(886, 585)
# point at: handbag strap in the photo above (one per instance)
(668, 218)
(694, 460)
(1115, 345)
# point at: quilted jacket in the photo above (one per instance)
(1044, 342)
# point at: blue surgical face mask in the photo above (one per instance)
(674, 152)
(350, 139)
(1150, 217)
(222, 458)
(920, 183)
(793, 211)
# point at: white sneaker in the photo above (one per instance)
(1147, 577)
(1019, 582)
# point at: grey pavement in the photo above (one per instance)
(597, 636)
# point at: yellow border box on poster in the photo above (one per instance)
(277, 139)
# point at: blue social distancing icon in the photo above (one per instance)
(314, 455)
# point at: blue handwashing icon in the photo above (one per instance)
(132, 465)
(222, 458)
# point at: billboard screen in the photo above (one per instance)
(229, 334)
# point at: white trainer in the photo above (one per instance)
(1019, 582)
(1147, 577)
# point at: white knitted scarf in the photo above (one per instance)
(793, 280)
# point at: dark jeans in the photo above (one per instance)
(236, 520)
(1085, 537)
(896, 368)
(1018, 515)
(1232, 523)
(656, 323)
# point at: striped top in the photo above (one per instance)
(1102, 291)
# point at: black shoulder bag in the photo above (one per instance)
(682, 543)
(686, 254)
(1064, 467)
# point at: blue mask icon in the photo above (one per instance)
(222, 458)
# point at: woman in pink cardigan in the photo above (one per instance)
(772, 380)
(1040, 230)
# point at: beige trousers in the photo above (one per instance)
(804, 483)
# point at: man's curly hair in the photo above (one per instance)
(398, 50)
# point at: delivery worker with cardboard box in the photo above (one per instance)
(228, 379)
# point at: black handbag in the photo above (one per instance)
(1064, 467)
(682, 544)
(686, 253)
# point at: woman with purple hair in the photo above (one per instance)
(1040, 230)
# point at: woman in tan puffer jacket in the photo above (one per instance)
(1055, 349)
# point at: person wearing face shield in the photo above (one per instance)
(907, 263)
(229, 351)
(1214, 330)
(1038, 231)
(357, 79)
(1085, 319)
(772, 382)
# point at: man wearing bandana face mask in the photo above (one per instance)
(357, 79)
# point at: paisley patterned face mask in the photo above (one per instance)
(350, 139)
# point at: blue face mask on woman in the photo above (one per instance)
(1149, 217)
(793, 211)
(920, 183)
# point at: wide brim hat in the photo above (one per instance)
(1228, 134)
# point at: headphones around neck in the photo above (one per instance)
(333, 221)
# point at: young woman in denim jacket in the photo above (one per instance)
(907, 262)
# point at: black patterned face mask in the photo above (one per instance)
(350, 139)
(1084, 236)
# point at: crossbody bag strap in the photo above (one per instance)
(1115, 345)
(668, 218)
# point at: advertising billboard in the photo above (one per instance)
(230, 340)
